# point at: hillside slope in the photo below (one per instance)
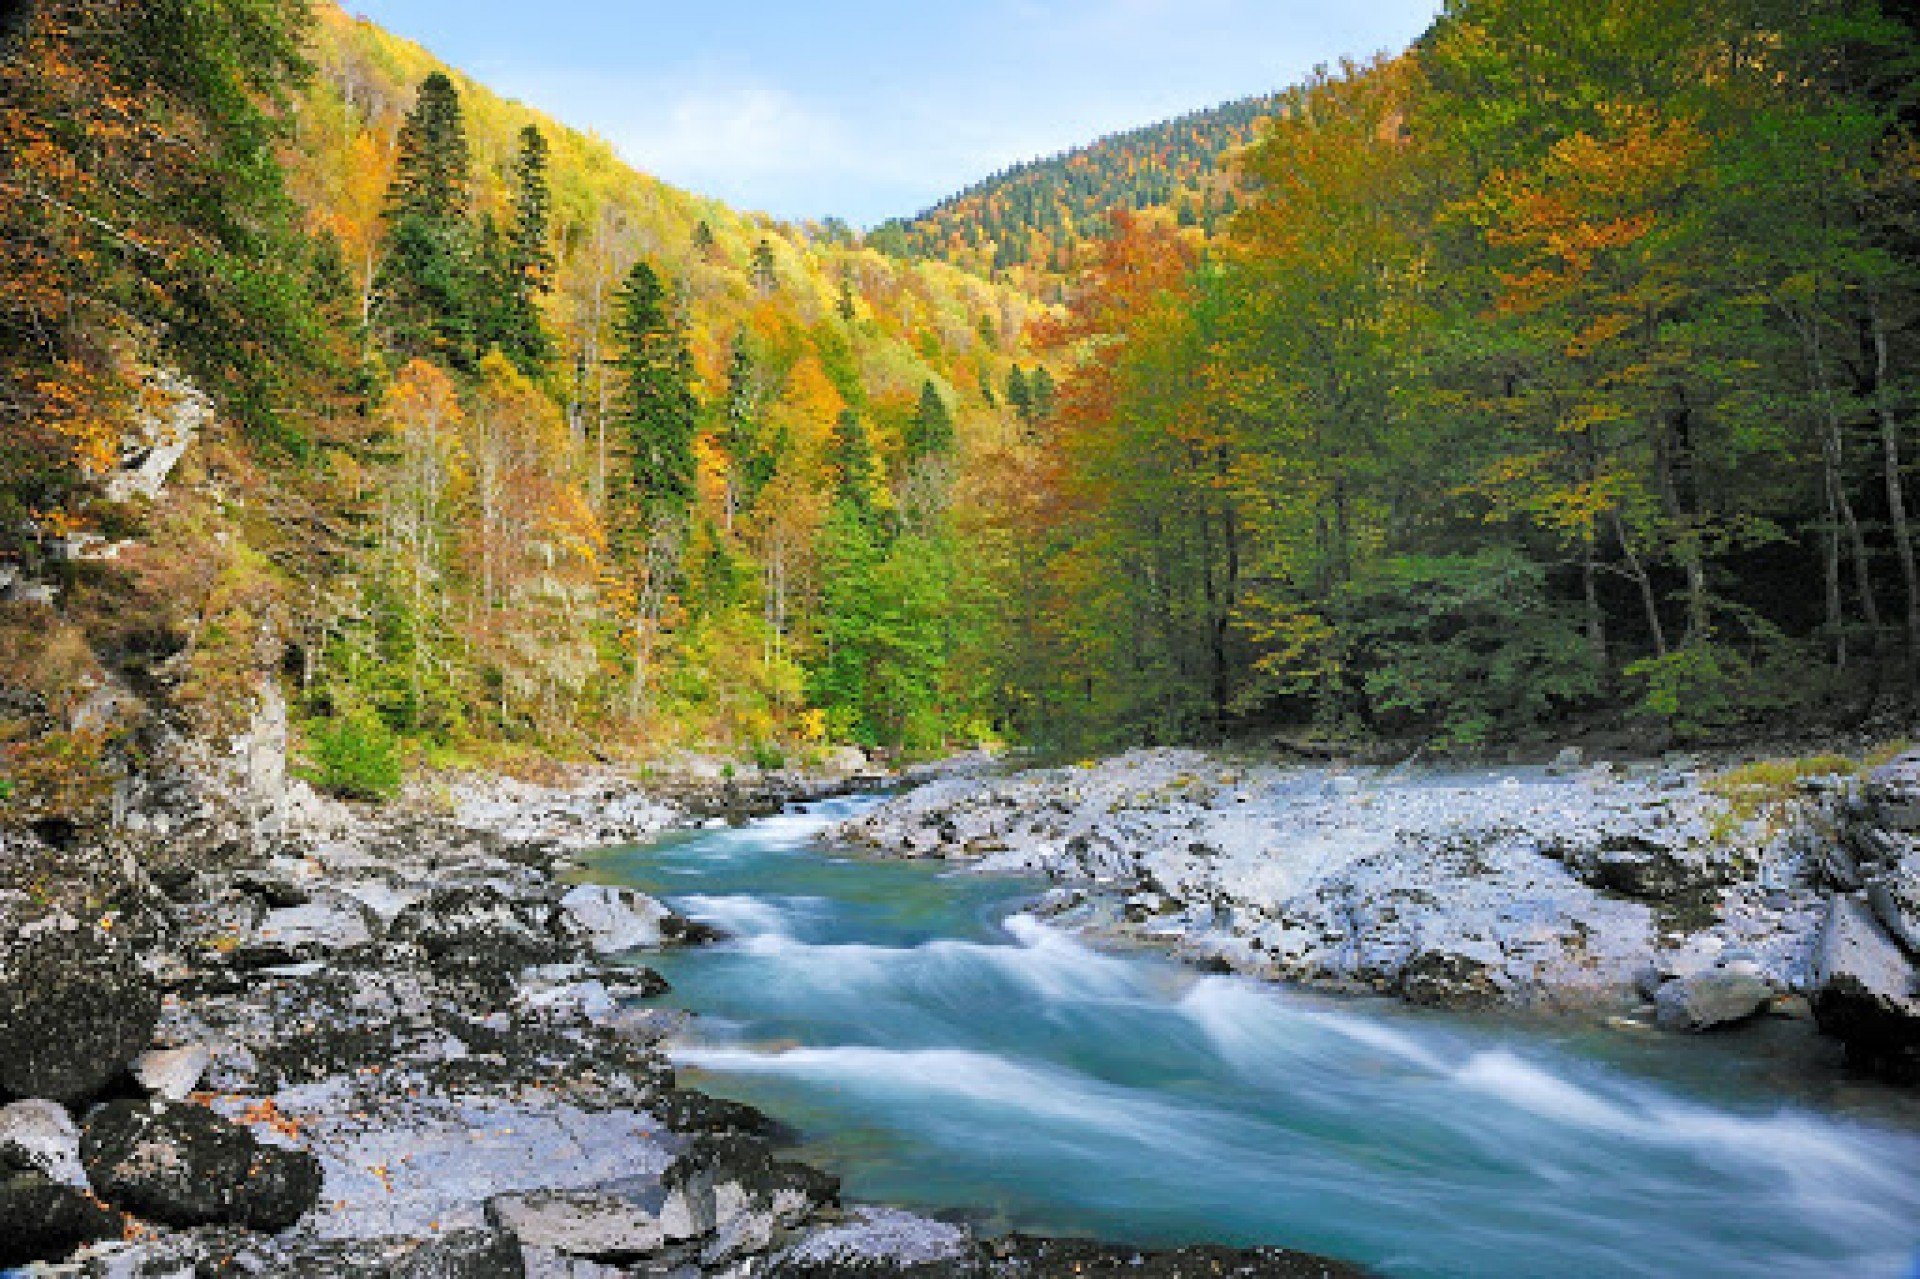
(1031, 223)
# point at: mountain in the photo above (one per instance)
(1031, 224)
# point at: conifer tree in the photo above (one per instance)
(703, 241)
(930, 434)
(528, 260)
(427, 280)
(1020, 394)
(764, 278)
(656, 409)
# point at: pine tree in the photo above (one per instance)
(754, 457)
(850, 456)
(1020, 394)
(845, 304)
(765, 280)
(529, 260)
(1045, 394)
(656, 410)
(703, 241)
(930, 434)
(427, 282)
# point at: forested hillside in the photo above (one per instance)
(1035, 223)
(325, 366)
(1565, 363)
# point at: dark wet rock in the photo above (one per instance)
(42, 1220)
(592, 1224)
(1449, 979)
(1716, 997)
(1866, 991)
(74, 1010)
(183, 1165)
(1646, 868)
(481, 927)
(278, 885)
(692, 1111)
(735, 1196)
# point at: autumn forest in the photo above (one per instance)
(1560, 369)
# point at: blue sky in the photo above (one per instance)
(866, 109)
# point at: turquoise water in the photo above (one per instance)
(939, 1049)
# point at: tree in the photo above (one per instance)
(523, 272)
(430, 273)
(656, 411)
(930, 434)
(766, 280)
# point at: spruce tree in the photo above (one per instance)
(1045, 394)
(764, 278)
(428, 279)
(656, 410)
(855, 470)
(529, 259)
(930, 434)
(1020, 393)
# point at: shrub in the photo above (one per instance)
(356, 756)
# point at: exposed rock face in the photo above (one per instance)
(186, 1166)
(74, 1010)
(1866, 991)
(481, 927)
(615, 920)
(42, 1220)
(591, 1224)
(1717, 997)
(1456, 891)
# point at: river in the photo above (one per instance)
(941, 1050)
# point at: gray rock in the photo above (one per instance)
(74, 1009)
(615, 920)
(324, 926)
(597, 1226)
(39, 1136)
(1892, 792)
(1568, 761)
(172, 1073)
(877, 1240)
(481, 926)
(1866, 991)
(1717, 997)
(465, 1254)
(183, 1165)
(1894, 895)
(1645, 867)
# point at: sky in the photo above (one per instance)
(870, 109)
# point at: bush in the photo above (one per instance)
(356, 756)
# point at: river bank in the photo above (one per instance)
(400, 1042)
(1647, 894)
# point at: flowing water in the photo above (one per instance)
(941, 1050)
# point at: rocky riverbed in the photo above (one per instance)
(400, 1043)
(1644, 893)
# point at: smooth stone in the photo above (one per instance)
(172, 1073)
(40, 1136)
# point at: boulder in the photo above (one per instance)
(1892, 793)
(590, 1224)
(479, 926)
(183, 1165)
(172, 1073)
(732, 1193)
(39, 1136)
(1894, 895)
(1866, 990)
(74, 1010)
(43, 1220)
(1459, 976)
(464, 1254)
(1716, 997)
(615, 920)
(1646, 868)
(324, 926)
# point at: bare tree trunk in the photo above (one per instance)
(1896, 485)
(1637, 571)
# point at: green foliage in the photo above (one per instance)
(356, 756)
(1465, 647)
(432, 272)
(657, 415)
